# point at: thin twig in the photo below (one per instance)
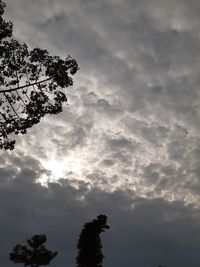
(7, 98)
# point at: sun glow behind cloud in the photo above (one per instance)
(60, 168)
(120, 132)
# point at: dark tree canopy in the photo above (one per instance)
(34, 256)
(31, 84)
(89, 243)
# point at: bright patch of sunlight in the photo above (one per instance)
(60, 168)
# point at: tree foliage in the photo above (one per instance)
(31, 84)
(89, 243)
(34, 256)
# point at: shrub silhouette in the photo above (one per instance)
(34, 256)
(89, 243)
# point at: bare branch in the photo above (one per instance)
(24, 86)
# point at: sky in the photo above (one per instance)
(127, 143)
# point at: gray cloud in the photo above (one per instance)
(129, 136)
(145, 232)
(139, 80)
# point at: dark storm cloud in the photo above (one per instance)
(144, 232)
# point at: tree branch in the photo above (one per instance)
(23, 86)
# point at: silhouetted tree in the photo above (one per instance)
(89, 243)
(31, 83)
(34, 256)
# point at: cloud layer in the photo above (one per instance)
(128, 140)
(143, 232)
(133, 115)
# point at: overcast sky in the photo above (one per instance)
(127, 143)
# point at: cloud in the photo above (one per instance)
(135, 99)
(143, 231)
(131, 126)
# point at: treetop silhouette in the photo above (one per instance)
(31, 84)
(34, 256)
(89, 243)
